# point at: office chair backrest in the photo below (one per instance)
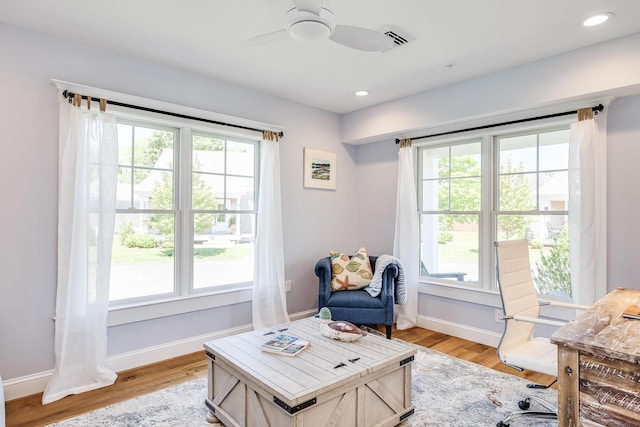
(518, 293)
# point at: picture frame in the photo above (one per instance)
(319, 169)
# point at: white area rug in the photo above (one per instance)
(446, 392)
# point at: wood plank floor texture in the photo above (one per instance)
(29, 412)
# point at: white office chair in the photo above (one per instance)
(519, 348)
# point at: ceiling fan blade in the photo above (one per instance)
(360, 38)
(265, 38)
(313, 6)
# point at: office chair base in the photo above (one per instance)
(528, 414)
(550, 414)
(541, 386)
(526, 403)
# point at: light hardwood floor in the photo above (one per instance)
(28, 411)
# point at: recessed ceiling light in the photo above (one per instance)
(597, 19)
(361, 93)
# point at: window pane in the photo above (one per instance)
(430, 195)
(465, 160)
(466, 194)
(145, 175)
(207, 191)
(518, 153)
(517, 192)
(459, 171)
(208, 154)
(240, 158)
(156, 191)
(203, 195)
(450, 247)
(548, 250)
(554, 191)
(125, 144)
(152, 148)
(223, 254)
(142, 261)
(554, 150)
(544, 229)
(240, 193)
(544, 188)
(435, 162)
(125, 198)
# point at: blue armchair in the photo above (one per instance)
(357, 306)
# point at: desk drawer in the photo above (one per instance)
(609, 391)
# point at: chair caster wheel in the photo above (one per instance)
(501, 424)
(524, 404)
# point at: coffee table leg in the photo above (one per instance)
(211, 418)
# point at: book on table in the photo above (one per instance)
(287, 345)
(632, 311)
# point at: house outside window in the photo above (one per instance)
(495, 186)
(186, 213)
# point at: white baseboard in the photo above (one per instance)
(470, 333)
(35, 383)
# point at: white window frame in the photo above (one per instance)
(185, 299)
(211, 122)
(486, 293)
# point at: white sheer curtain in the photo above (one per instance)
(86, 211)
(269, 299)
(588, 207)
(406, 243)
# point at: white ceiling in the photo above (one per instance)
(454, 40)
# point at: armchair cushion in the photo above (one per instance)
(350, 272)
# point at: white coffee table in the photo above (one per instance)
(249, 387)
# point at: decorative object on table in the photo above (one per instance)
(319, 169)
(325, 314)
(341, 331)
(632, 311)
(285, 345)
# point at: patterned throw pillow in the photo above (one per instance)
(350, 272)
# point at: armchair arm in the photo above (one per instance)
(323, 271)
(388, 281)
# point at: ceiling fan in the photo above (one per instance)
(313, 20)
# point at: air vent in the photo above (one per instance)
(398, 36)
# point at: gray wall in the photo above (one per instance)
(360, 212)
(314, 219)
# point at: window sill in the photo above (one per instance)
(178, 305)
(488, 298)
(461, 293)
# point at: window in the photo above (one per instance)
(186, 213)
(500, 186)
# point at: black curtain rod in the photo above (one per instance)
(596, 109)
(69, 95)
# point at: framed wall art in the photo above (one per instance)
(319, 169)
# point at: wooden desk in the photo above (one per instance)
(598, 365)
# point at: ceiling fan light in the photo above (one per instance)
(312, 31)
